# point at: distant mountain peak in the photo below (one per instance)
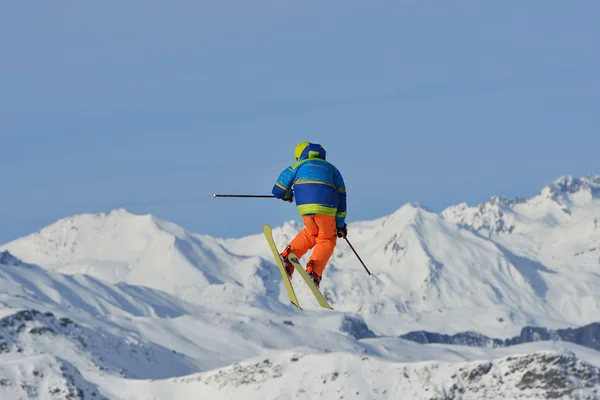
(411, 209)
(103, 220)
(567, 184)
(554, 204)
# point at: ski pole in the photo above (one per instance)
(246, 196)
(359, 259)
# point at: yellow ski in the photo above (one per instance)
(286, 281)
(318, 295)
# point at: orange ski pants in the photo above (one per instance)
(320, 232)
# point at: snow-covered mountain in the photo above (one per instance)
(431, 268)
(560, 227)
(146, 251)
(561, 202)
(94, 302)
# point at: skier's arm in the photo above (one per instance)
(341, 211)
(283, 185)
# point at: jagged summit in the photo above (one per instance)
(557, 203)
(568, 185)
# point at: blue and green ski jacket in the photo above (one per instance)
(318, 186)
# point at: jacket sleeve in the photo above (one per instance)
(340, 217)
(283, 185)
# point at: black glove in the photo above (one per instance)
(289, 198)
(343, 231)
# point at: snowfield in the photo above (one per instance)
(125, 306)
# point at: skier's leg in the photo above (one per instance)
(325, 243)
(305, 239)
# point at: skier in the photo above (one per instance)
(320, 196)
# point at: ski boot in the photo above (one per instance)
(289, 268)
(310, 271)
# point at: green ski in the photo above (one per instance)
(286, 281)
(318, 295)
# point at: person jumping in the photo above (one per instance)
(320, 194)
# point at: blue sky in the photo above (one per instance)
(149, 104)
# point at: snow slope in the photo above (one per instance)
(538, 375)
(129, 306)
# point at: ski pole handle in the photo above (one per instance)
(245, 196)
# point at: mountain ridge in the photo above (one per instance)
(412, 252)
(502, 215)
